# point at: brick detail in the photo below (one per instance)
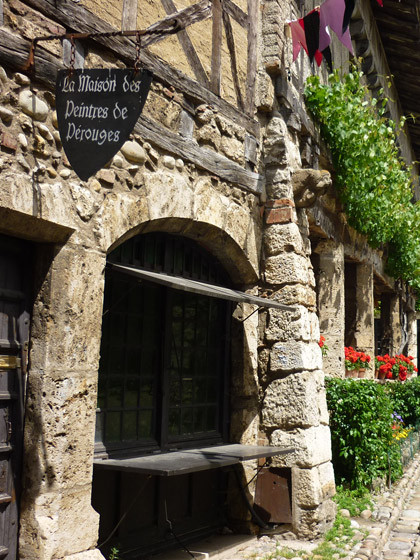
(279, 216)
(279, 211)
(280, 203)
(8, 141)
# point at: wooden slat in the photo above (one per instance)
(188, 48)
(233, 64)
(175, 463)
(129, 15)
(202, 157)
(77, 18)
(236, 13)
(216, 49)
(251, 74)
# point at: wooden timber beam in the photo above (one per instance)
(233, 64)
(129, 15)
(188, 48)
(216, 48)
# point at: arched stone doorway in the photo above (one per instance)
(163, 385)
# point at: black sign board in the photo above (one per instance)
(96, 111)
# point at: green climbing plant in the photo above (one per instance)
(373, 182)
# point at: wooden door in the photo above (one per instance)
(14, 334)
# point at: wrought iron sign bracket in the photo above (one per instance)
(174, 26)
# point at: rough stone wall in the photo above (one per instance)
(144, 188)
(330, 299)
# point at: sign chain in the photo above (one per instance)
(137, 62)
(72, 55)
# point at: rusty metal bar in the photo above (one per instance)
(174, 28)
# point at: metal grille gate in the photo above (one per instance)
(14, 335)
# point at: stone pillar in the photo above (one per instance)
(330, 300)
(412, 336)
(294, 411)
(363, 335)
(395, 326)
(57, 519)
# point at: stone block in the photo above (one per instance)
(283, 238)
(297, 400)
(296, 324)
(288, 268)
(60, 525)
(286, 357)
(232, 149)
(67, 406)
(121, 212)
(87, 555)
(66, 331)
(297, 294)
(313, 486)
(209, 206)
(245, 353)
(253, 242)
(244, 425)
(264, 97)
(312, 446)
(237, 223)
(315, 522)
(168, 194)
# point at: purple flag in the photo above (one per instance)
(331, 15)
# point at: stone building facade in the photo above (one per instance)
(239, 180)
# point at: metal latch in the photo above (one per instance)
(9, 362)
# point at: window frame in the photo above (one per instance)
(162, 441)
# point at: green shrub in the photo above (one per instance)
(362, 444)
(406, 400)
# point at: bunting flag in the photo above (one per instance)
(298, 37)
(311, 27)
(331, 15)
(312, 31)
(347, 14)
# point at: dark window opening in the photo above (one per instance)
(163, 366)
(163, 385)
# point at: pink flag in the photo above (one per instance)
(298, 38)
(331, 15)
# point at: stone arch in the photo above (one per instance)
(200, 212)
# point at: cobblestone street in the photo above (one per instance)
(391, 533)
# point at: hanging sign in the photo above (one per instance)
(96, 112)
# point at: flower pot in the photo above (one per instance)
(361, 373)
(351, 373)
(381, 375)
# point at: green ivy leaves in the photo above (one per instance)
(374, 184)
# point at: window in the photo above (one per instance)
(164, 352)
